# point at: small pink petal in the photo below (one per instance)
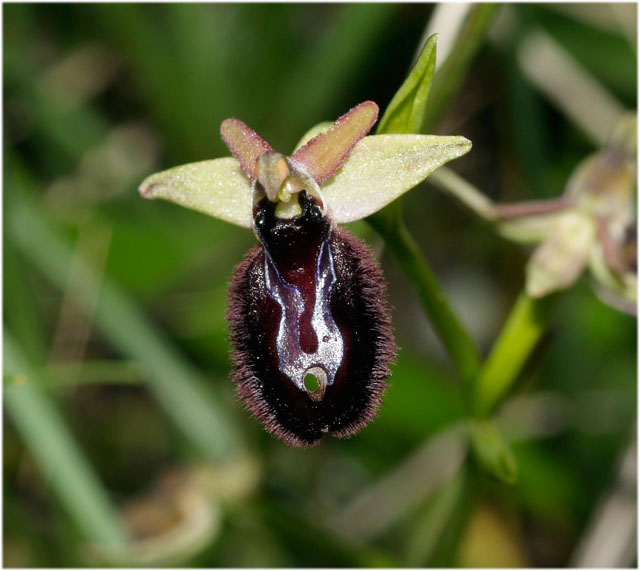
(245, 144)
(323, 155)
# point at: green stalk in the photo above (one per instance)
(405, 114)
(407, 254)
(448, 78)
(66, 374)
(524, 327)
(63, 464)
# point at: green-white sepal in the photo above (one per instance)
(216, 187)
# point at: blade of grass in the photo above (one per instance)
(186, 80)
(385, 502)
(447, 548)
(330, 63)
(449, 76)
(432, 523)
(22, 314)
(67, 374)
(575, 91)
(178, 386)
(63, 130)
(62, 462)
(609, 538)
(73, 327)
(446, 20)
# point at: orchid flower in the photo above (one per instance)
(591, 225)
(309, 324)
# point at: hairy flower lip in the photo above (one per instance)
(376, 350)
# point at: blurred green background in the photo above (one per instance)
(114, 307)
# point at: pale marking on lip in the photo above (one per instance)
(295, 362)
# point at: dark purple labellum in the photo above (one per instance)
(309, 301)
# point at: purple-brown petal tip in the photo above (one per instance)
(323, 155)
(244, 143)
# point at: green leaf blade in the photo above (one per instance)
(408, 108)
(492, 451)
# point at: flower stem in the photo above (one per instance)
(524, 327)
(464, 355)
